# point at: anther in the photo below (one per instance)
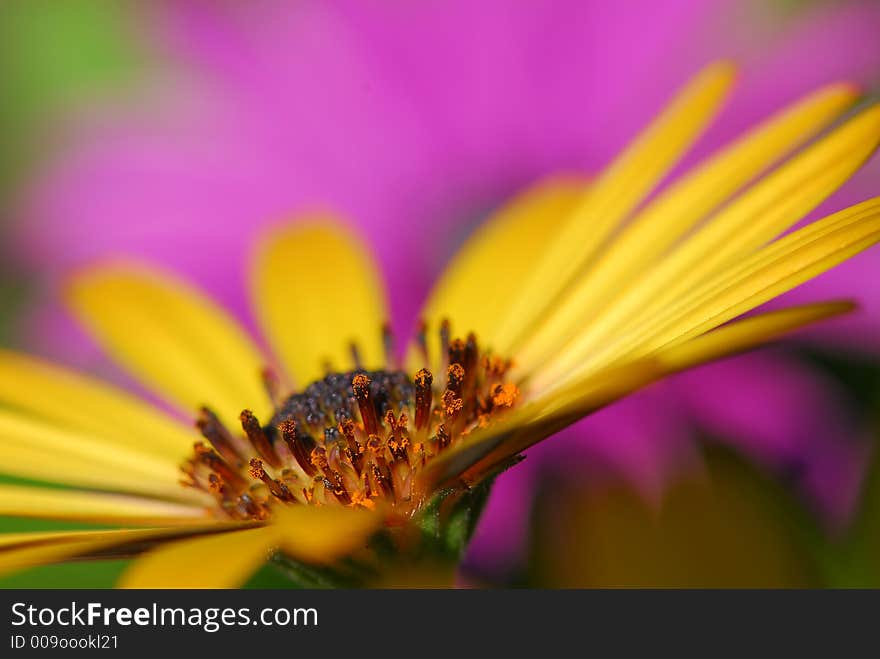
(398, 441)
(355, 450)
(216, 433)
(455, 377)
(471, 353)
(218, 465)
(300, 446)
(272, 385)
(443, 438)
(277, 488)
(456, 352)
(424, 396)
(504, 395)
(257, 437)
(360, 384)
(381, 480)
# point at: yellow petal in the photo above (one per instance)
(748, 333)
(176, 341)
(35, 449)
(684, 203)
(619, 190)
(322, 534)
(477, 285)
(772, 271)
(308, 533)
(19, 551)
(768, 208)
(316, 292)
(779, 200)
(26, 501)
(86, 404)
(224, 560)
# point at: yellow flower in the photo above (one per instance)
(572, 296)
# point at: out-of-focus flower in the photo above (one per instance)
(413, 120)
(662, 280)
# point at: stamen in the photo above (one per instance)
(258, 439)
(456, 352)
(355, 450)
(422, 341)
(471, 353)
(454, 377)
(300, 446)
(277, 488)
(355, 355)
(360, 384)
(443, 438)
(216, 464)
(504, 395)
(444, 342)
(216, 433)
(272, 385)
(424, 395)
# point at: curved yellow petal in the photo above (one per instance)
(762, 212)
(19, 551)
(314, 534)
(771, 271)
(777, 268)
(323, 534)
(224, 560)
(488, 271)
(316, 291)
(686, 202)
(86, 404)
(35, 449)
(614, 195)
(748, 333)
(171, 337)
(28, 501)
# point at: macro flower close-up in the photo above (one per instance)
(304, 294)
(341, 437)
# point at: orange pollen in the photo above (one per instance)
(505, 395)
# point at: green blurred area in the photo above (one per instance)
(57, 59)
(55, 56)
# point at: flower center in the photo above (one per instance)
(351, 438)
